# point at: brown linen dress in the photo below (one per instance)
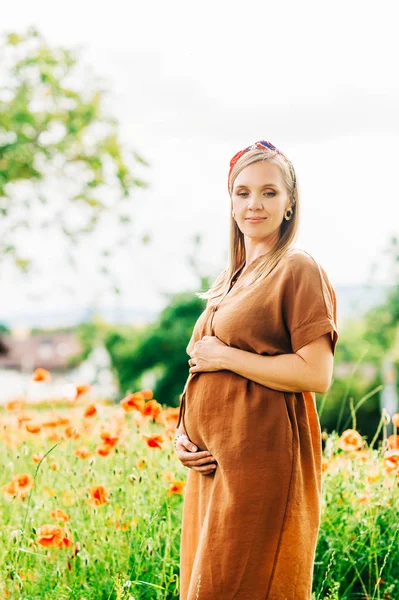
(249, 530)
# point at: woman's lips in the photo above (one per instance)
(255, 220)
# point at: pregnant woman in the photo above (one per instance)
(248, 428)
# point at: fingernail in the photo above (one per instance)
(194, 448)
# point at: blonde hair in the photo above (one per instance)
(288, 229)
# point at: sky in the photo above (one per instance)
(190, 85)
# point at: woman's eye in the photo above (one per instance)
(245, 193)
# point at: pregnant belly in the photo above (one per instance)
(235, 418)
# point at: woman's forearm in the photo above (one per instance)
(181, 429)
(283, 372)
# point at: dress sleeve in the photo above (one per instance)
(309, 302)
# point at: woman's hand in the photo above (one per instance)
(202, 461)
(207, 355)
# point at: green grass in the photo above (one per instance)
(128, 547)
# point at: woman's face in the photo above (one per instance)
(259, 193)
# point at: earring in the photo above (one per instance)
(233, 214)
(288, 216)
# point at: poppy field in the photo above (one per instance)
(91, 498)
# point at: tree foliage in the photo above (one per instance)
(160, 347)
(363, 341)
(62, 164)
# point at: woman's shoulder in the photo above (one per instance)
(300, 260)
(303, 267)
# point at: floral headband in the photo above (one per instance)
(260, 144)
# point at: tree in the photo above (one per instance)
(365, 340)
(62, 165)
(3, 346)
(161, 346)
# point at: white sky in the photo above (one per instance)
(193, 83)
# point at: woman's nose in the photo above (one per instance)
(255, 201)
